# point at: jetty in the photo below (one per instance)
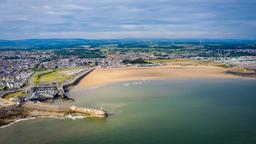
(38, 106)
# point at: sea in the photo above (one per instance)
(175, 111)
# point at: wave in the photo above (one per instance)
(18, 120)
(76, 117)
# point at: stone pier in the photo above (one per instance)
(64, 109)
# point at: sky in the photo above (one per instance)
(117, 19)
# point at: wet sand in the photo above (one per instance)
(110, 75)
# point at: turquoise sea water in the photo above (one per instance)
(206, 111)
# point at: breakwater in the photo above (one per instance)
(64, 109)
(90, 111)
(10, 111)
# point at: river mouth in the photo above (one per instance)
(152, 111)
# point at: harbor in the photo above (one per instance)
(35, 103)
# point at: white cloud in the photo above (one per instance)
(127, 18)
(134, 34)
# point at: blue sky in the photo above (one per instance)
(107, 19)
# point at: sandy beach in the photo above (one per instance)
(110, 75)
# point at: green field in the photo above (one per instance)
(38, 75)
(170, 60)
(15, 94)
(183, 62)
(242, 70)
(188, 62)
(56, 75)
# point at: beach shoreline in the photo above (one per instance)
(103, 76)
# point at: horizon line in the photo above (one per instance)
(235, 39)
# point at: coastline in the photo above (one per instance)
(12, 112)
(103, 76)
(31, 110)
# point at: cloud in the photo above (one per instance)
(127, 18)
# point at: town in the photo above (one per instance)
(20, 68)
(35, 75)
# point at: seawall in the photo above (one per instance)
(64, 109)
(90, 111)
(76, 80)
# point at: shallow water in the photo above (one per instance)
(212, 111)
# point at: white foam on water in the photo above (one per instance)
(75, 117)
(51, 116)
(16, 121)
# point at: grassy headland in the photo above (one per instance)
(56, 75)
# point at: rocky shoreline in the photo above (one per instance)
(14, 112)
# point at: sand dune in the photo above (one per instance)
(109, 75)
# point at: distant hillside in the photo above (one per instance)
(122, 43)
(42, 43)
